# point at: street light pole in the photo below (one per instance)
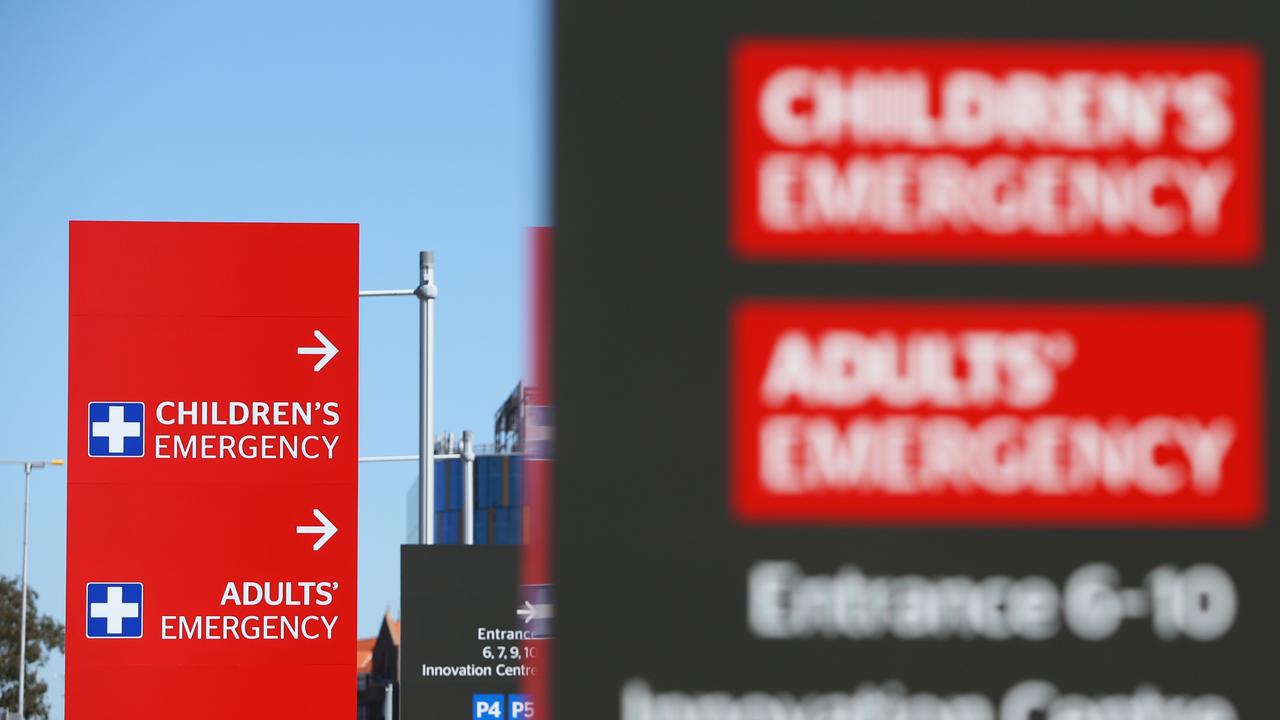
(27, 467)
(22, 635)
(426, 292)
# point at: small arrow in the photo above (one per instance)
(526, 612)
(325, 529)
(326, 349)
(531, 612)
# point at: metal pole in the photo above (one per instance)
(388, 293)
(406, 458)
(27, 467)
(426, 292)
(468, 490)
(22, 634)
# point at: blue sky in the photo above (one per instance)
(425, 122)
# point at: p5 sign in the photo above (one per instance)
(520, 707)
(995, 152)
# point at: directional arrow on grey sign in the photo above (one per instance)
(326, 350)
(531, 612)
(325, 529)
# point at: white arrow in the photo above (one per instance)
(326, 349)
(531, 612)
(325, 529)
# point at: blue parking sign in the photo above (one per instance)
(519, 707)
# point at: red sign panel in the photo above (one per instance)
(212, 417)
(995, 152)
(868, 412)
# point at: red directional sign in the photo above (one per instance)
(212, 416)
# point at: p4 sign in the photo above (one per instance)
(211, 496)
(864, 412)
(995, 152)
